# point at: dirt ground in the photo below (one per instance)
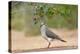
(22, 42)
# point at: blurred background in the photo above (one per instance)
(62, 19)
(56, 16)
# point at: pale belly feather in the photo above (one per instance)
(43, 33)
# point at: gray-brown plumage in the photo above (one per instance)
(49, 35)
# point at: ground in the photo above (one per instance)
(20, 42)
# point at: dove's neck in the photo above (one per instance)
(43, 30)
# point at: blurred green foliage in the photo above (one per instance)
(56, 16)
